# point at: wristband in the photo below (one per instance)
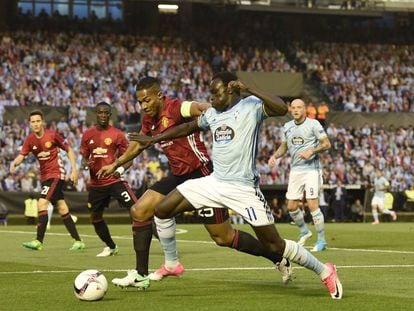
(120, 170)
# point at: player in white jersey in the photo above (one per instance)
(377, 204)
(304, 138)
(235, 125)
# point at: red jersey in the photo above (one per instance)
(185, 154)
(102, 147)
(46, 151)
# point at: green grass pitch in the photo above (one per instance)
(375, 264)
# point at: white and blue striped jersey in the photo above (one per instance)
(379, 185)
(235, 140)
(301, 137)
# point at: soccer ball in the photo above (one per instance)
(90, 285)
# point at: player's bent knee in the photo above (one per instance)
(142, 212)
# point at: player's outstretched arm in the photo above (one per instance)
(134, 149)
(74, 169)
(273, 105)
(280, 152)
(193, 108)
(181, 130)
(16, 162)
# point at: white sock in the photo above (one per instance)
(375, 215)
(166, 233)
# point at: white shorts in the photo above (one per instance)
(247, 201)
(299, 181)
(378, 201)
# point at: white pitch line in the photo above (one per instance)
(209, 269)
(182, 231)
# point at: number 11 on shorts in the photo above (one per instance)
(251, 213)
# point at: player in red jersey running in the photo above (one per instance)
(100, 146)
(188, 159)
(44, 144)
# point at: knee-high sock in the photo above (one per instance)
(70, 226)
(166, 234)
(296, 253)
(299, 220)
(246, 243)
(49, 212)
(102, 231)
(319, 222)
(41, 225)
(375, 214)
(142, 235)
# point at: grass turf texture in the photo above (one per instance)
(375, 263)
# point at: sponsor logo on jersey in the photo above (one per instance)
(100, 152)
(107, 141)
(297, 141)
(34, 148)
(223, 134)
(165, 144)
(48, 144)
(164, 122)
(91, 141)
(44, 155)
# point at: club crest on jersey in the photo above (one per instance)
(223, 134)
(297, 141)
(107, 141)
(164, 122)
(48, 144)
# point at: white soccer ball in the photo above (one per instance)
(90, 285)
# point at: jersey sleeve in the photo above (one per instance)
(175, 111)
(26, 147)
(257, 105)
(283, 136)
(145, 127)
(122, 143)
(61, 142)
(202, 120)
(318, 130)
(84, 150)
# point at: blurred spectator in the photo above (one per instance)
(357, 211)
(339, 194)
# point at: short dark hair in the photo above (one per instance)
(103, 103)
(146, 83)
(36, 113)
(225, 77)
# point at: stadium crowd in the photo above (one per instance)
(362, 78)
(76, 70)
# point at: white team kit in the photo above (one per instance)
(379, 194)
(234, 181)
(305, 175)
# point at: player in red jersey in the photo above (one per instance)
(100, 146)
(188, 159)
(45, 145)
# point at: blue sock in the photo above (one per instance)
(296, 253)
(319, 222)
(297, 217)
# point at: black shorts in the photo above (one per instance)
(99, 197)
(52, 190)
(169, 183)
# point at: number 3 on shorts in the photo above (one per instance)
(126, 196)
